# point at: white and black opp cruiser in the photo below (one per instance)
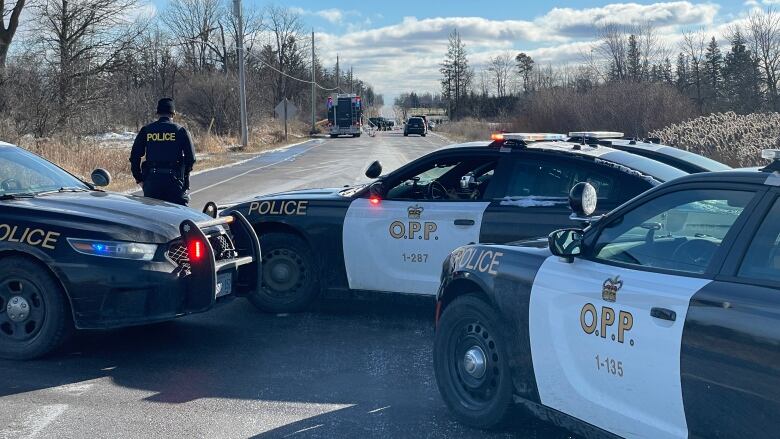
(660, 320)
(392, 235)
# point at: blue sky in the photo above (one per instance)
(397, 45)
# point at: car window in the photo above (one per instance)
(555, 180)
(762, 260)
(23, 172)
(449, 179)
(678, 231)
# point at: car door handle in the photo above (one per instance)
(464, 222)
(663, 314)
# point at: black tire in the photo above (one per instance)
(290, 274)
(482, 401)
(406, 134)
(39, 297)
(333, 136)
(423, 134)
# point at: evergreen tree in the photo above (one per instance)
(713, 64)
(456, 74)
(667, 72)
(741, 78)
(683, 76)
(634, 60)
(525, 66)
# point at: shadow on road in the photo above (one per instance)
(371, 357)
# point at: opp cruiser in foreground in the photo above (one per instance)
(73, 256)
(659, 320)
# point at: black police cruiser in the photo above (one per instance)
(651, 148)
(72, 256)
(660, 319)
(392, 235)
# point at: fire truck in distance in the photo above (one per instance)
(345, 115)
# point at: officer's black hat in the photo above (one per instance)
(165, 106)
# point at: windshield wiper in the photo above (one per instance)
(17, 196)
(63, 189)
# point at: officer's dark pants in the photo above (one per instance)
(166, 187)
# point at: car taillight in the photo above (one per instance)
(195, 250)
(374, 200)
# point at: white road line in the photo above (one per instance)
(304, 430)
(292, 157)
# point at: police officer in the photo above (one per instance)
(170, 156)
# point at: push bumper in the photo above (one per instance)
(112, 293)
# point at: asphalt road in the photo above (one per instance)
(345, 369)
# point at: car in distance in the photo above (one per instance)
(658, 320)
(392, 235)
(415, 125)
(72, 256)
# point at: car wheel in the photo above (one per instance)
(333, 136)
(406, 134)
(423, 134)
(290, 277)
(471, 365)
(34, 314)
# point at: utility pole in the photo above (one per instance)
(241, 72)
(313, 88)
(338, 76)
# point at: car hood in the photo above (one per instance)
(121, 217)
(307, 194)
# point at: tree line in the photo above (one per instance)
(625, 63)
(87, 66)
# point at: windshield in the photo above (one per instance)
(22, 172)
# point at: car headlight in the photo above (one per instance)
(114, 249)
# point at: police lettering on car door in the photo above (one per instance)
(413, 229)
(608, 323)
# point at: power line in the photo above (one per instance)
(290, 76)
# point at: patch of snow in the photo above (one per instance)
(533, 201)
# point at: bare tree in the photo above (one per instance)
(500, 68)
(613, 47)
(763, 35)
(7, 32)
(694, 47)
(285, 53)
(194, 24)
(84, 40)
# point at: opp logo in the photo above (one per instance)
(600, 323)
(413, 229)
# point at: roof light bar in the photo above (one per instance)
(497, 136)
(534, 137)
(597, 134)
(770, 154)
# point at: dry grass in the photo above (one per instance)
(734, 139)
(81, 156)
(467, 130)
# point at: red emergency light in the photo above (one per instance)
(195, 250)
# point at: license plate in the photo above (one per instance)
(224, 284)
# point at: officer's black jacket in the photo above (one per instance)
(165, 145)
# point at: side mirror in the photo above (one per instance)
(100, 177)
(374, 170)
(210, 209)
(566, 243)
(582, 200)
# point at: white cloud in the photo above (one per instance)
(406, 55)
(331, 15)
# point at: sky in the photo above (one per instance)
(397, 46)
